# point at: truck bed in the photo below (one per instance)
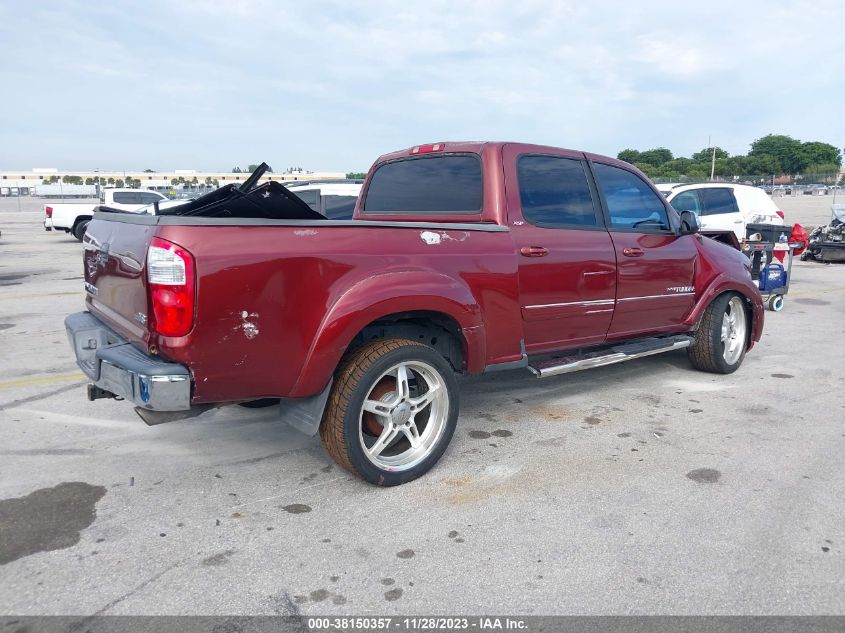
(265, 287)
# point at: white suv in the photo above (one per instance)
(723, 206)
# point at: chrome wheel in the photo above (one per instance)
(403, 415)
(734, 327)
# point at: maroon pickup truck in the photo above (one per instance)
(459, 258)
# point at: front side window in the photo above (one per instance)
(687, 201)
(553, 191)
(149, 198)
(718, 201)
(448, 183)
(631, 203)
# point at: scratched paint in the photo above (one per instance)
(432, 238)
(249, 328)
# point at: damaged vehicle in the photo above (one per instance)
(460, 258)
(827, 243)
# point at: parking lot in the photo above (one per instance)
(645, 487)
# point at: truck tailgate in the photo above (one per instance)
(115, 283)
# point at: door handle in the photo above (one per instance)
(632, 252)
(738, 221)
(533, 251)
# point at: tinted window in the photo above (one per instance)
(554, 191)
(718, 201)
(631, 203)
(149, 198)
(126, 197)
(434, 184)
(687, 201)
(339, 207)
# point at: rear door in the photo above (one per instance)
(721, 212)
(567, 265)
(656, 268)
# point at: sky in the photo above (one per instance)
(325, 85)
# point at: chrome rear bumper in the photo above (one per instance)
(114, 366)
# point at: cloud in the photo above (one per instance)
(330, 85)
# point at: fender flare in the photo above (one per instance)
(726, 283)
(377, 297)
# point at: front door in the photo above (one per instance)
(567, 266)
(656, 268)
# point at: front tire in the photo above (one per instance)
(392, 411)
(722, 336)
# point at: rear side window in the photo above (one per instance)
(718, 201)
(687, 201)
(126, 197)
(553, 191)
(449, 183)
(631, 203)
(339, 207)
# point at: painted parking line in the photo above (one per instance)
(40, 379)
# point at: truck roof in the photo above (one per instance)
(479, 147)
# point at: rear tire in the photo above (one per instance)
(79, 229)
(722, 337)
(392, 411)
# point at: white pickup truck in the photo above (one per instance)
(74, 217)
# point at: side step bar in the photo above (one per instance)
(609, 355)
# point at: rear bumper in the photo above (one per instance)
(115, 366)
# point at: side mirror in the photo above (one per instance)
(689, 223)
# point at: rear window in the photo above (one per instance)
(449, 183)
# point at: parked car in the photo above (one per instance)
(724, 206)
(460, 258)
(74, 217)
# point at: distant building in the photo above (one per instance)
(155, 180)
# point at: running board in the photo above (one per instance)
(609, 355)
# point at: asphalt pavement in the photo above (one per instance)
(646, 487)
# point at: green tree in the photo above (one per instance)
(89, 181)
(706, 155)
(236, 170)
(110, 181)
(252, 168)
(356, 175)
(118, 182)
(629, 155)
(818, 153)
(174, 182)
(149, 171)
(72, 180)
(785, 149)
(655, 157)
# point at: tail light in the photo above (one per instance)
(48, 211)
(780, 213)
(172, 285)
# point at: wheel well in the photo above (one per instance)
(80, 218)
(438, 330)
